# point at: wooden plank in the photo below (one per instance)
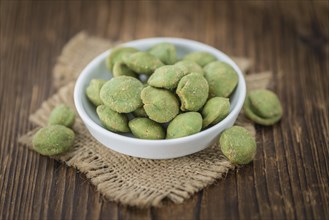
(289, 178)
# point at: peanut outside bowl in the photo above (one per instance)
(154, 149)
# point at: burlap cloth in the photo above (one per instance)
(120, 178)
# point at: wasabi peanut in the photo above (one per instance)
(191, 66)
(167, 76)
(263, 107)
(200, 57)
(145, 128)
(166, 52)
(193, 92)
(62, 115)
(122, 94)
(222, 79)
(121, 69)
(53, 140)
(215, 110)
(160, 105)
(142, 62)
(112, 120)
(238, 145)
(117, 55)
(184, 124)
(93, 91)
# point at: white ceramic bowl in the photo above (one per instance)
(154, 149)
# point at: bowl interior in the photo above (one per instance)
(97, 69)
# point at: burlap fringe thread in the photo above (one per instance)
(120, 178)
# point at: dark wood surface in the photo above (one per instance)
(288, 179)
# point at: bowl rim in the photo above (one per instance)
(78, 90)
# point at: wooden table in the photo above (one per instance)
(288, 179)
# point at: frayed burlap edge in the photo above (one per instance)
(76, 54)
(128, 180)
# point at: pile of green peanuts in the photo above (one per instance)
(156, 95)
(57, 137)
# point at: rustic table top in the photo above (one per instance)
(288, 179)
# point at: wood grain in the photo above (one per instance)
(289, 178)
